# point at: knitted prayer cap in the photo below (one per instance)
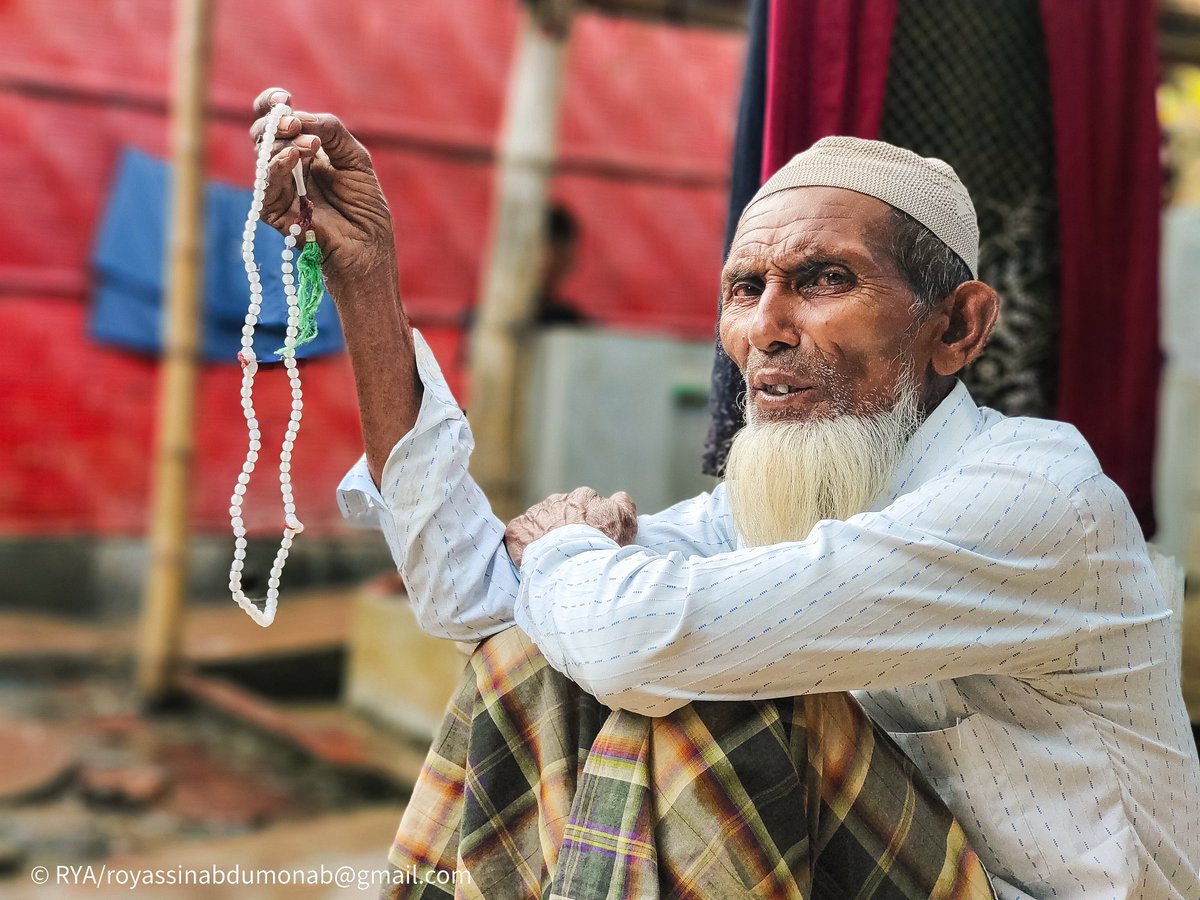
(926, 188)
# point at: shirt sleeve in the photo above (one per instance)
(979, 571)
(698, 526)
(447, 544)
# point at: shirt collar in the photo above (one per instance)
(935, 445)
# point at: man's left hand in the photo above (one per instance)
(615, 516)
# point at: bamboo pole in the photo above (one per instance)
(510, 282)
(162, 604)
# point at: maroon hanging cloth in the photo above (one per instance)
(827, 64)
(1103, 75)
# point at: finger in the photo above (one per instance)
(323, 162)
(627, 512)
(515, 540)
(606, 515)
(344, 151)
(307, 144)
(583, 497)
(280, 192)
(272, 96)
(288, 127)
(545, 516)
(517, 530)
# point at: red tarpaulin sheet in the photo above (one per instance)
(646, 133)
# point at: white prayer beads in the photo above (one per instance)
(292, 525)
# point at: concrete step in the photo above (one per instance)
(397, 674)
(305, 622)
(326, 731)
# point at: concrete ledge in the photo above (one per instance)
(397, 674)
(101, 578)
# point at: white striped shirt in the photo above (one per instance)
(996, 612)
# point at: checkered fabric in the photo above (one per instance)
(537, 790)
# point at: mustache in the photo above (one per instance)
(810, 365)
(806, 365)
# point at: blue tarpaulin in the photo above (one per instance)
(129, 260)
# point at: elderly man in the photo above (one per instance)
(975, 580)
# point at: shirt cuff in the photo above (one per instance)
(358, 496)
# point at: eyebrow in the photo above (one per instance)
(806, 261)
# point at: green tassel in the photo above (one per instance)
(309, 291)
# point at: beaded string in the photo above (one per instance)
(292, 525)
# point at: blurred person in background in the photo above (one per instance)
(559, 256)
(562, 248)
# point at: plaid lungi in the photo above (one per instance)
(534, 788)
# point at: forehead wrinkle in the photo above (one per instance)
(829, 207)
(800, 220)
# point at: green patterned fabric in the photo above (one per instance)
(533, 789)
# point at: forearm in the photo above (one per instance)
(447, 544)
(380, 343)
(415, 486)
(874, 602)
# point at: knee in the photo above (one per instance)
(510, 665)
(510, 662)
(507, 650)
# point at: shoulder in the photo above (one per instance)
(1041, 448)
(1044, 473)
(1013, 483)
(1056, 453)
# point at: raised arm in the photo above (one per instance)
(354, 228)
(447, 543)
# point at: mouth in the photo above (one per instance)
(773, 391)
(774, 383)
(781, 390)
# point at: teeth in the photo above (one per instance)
(778, 389)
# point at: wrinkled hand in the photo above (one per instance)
(616, 516)
(350, 215)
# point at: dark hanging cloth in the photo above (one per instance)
(724, 404)
(968, 84)
(1103, 77)
(827, 65)
(813, 68)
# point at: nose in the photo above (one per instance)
(774, 326)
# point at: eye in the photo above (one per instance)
(831, 279)
(743, 290)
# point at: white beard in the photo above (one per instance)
(784, 477)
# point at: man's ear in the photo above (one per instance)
(971, 311)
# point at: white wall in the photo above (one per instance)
(617, 412)
(1177, 463)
